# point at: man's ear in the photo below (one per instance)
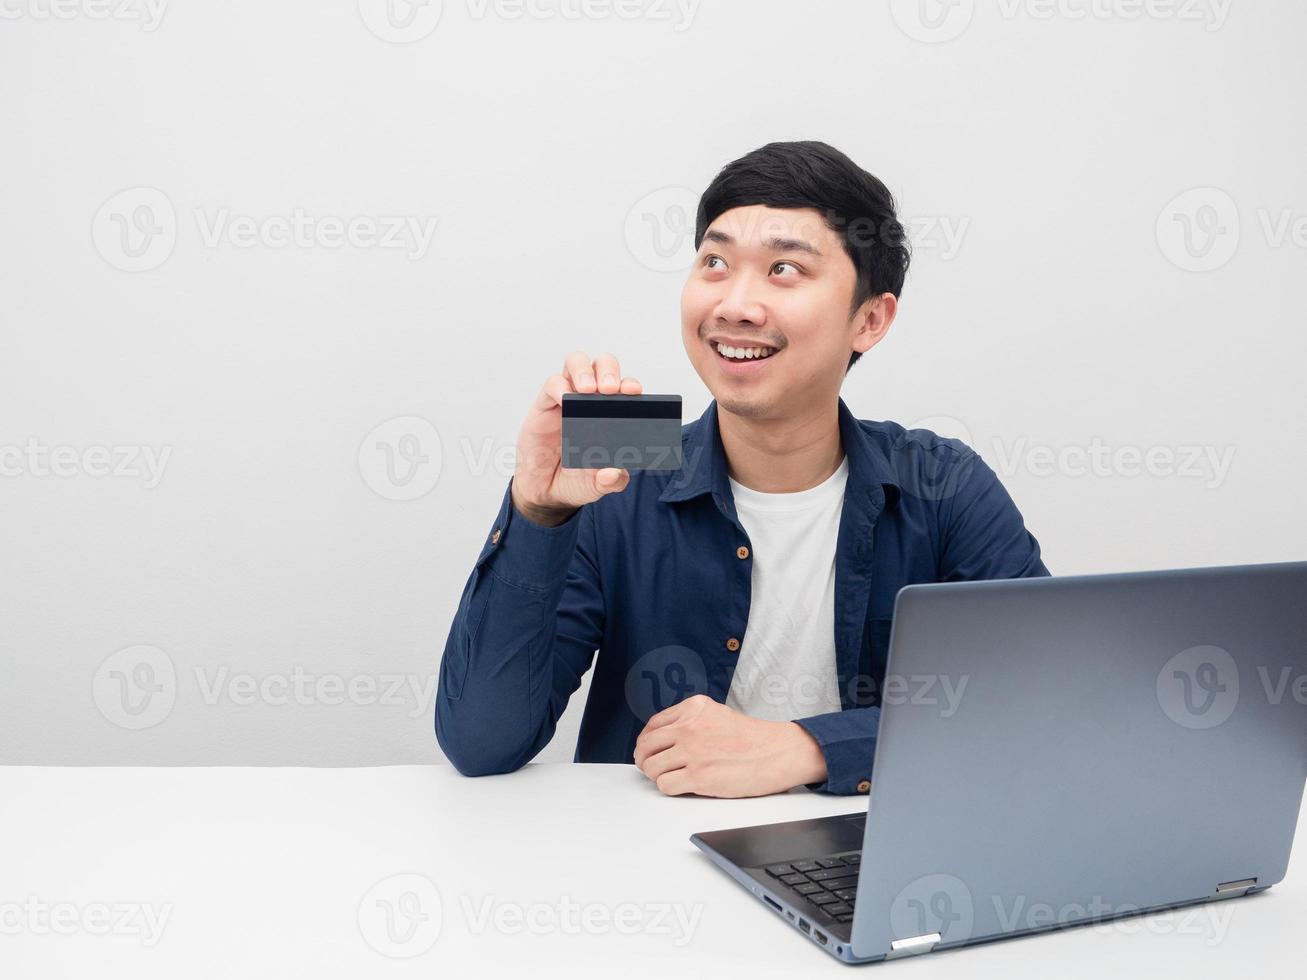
(873, 320)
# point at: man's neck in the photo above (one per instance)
(782, 456)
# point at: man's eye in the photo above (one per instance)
(708, 262)
(779, 264)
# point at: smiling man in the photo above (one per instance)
(736, 611)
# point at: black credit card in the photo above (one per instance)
(632, 432)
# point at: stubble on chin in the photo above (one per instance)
(745, 408)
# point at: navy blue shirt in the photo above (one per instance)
(657, 578)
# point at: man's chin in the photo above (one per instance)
(743, 407)
(751, 404)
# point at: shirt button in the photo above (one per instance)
(741, 552)
(494, 538)
(864, 786)
(732, 644)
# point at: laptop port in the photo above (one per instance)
(820, 936)
(803, 924)
(772, 902)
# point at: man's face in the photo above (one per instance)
(776, 278)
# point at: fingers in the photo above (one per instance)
(602, 375)
(666, 761)
(691, 707)
(609, 373)
(664, 717)
(675, 783)
(580, 372)
(652, 741)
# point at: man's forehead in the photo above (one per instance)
(757, 224)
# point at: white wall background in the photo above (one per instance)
(1045, 155)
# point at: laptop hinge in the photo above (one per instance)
(912, 946)
(1233, 889)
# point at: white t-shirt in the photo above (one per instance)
(786, 668)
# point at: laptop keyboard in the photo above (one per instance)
(825, 883)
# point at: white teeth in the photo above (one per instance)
(744, 353)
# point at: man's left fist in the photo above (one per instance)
(701, 746)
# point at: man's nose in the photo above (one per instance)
(740, 302)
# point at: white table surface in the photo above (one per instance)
(557, 870)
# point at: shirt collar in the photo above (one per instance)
(703, 460)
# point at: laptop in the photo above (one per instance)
(1112, 744)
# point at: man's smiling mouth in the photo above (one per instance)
(753, 352)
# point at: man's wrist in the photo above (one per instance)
(809, 764)
(544, 516)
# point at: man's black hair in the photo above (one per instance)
(811, 174)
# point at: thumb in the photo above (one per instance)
(609, 479)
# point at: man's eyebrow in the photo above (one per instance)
(775, 244)
(792, 245)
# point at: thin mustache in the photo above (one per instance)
(759, 340)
